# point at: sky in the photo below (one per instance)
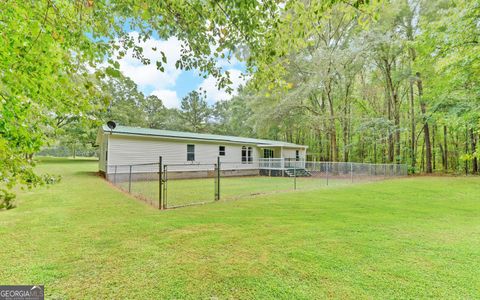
(173, 84)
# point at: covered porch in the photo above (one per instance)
(278, 157)
(281, 163)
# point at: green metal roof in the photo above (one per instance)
(195, 136)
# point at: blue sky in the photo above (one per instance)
(172, 84)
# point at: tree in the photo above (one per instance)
(195, 111)
(232, 117)
(127, 105)
(155, 112)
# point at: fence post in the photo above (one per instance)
(130, 179)
(295, 176)
(326, 167)
(218, 179)
(160, 206)
(165, 185)
(115, 176)
(351, 171)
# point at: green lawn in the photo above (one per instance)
(405, 238)
(190, 191)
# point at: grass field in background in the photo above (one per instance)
(189, 191)
(405, 238)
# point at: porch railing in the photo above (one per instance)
(280, 163)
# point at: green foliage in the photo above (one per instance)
(195, 111)
(346, 91)
(125, 102)
(232, 117)
(7, 199)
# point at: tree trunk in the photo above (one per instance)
(456, 166)
(443, 155)
(333, 130)
(445, 149)
(466, 150)
(390, 97)
(396, 116)
(473, 141)
(397, 137)
(412, 124)
(346, 125)
(422, 161)
(434, 153)
(426, 129)
(409, 31)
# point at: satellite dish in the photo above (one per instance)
(111, 125)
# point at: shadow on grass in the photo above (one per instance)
(87, 173)
(63, 160)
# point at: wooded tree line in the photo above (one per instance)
(128, 106)
(402, 89)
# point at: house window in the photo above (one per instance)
(297, 155)
(190, 152)
(221, 150)
(247, 155)
(267, 153)
(244, 155)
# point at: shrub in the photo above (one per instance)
(7, 199)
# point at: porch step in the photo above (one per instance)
(297, 173)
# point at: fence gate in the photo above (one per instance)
(188, 184)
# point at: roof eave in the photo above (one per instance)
(179, 138)
(106, 130)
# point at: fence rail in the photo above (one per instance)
(175, 185)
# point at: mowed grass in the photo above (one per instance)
(182, 192)
(405, 238)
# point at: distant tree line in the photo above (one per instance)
(403, 88)
(130, 107)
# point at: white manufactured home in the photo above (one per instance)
(123, 146)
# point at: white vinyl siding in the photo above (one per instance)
(102, 159)
(126, 150)
(291, 153)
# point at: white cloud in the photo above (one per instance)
(214, 94)
(148, 77)
(169, 98)
(163, 84)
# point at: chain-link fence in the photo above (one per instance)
(140, 180)
(177, 185)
